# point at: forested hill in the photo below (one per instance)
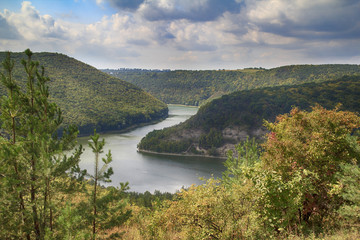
(223, 122)
(90, 98)
(195, 87)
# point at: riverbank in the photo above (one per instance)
(137, 125)
(150, 172)
(127, 129)
(179, 154)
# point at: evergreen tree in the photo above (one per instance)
(100, 174)
(32, 153)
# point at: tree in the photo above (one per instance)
(32, 153)
(305, 151)
(100, 174)
(248, 154)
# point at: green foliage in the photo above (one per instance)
(208, 211)
(89, 98)
(303, 184)
(212, 139)
(148, 199)
(100, 174)
(34, 167)
(348, 188)
(197, 87)
(240, 166)
(302, 156)
(108, 209)
(155, 141)
(245, 111)
(68, 222)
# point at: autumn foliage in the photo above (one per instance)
(304, 181)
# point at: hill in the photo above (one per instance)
(196, 87)
(223, 122)
(90, 98)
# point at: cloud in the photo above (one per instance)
(306, 18)
(129, 5)
(194, 34)
(30, 25)
(193, 10)
(6, 31)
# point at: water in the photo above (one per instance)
(147, 172)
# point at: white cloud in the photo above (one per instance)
(31, 25)
(263, 33)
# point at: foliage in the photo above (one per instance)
(68, 222)
(240, 166)
(147, 199)
(89, 98)
(245, 111)
(212, 139)
(34, 169)
(348, 188)
(42, 190)
(208, 211)
(197, 87)
(100, 174)
(302, 156)
(155, 141)
(108, 209)
(303, 184)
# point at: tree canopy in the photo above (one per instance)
(90, 98)
(242, 113)
(197, 87)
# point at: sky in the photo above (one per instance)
(186, 34)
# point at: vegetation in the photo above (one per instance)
(231, 118)
(300, 184)
(89, 98)
(33, 167)
(43, 192)
(197, 87)
(100, 174)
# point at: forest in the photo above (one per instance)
(88, 97)
(302, 182)
(242, 113)
(196, 87)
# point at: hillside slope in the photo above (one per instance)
(90, 98)
(195, 87)
(223, 122)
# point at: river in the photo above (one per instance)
(148, 172)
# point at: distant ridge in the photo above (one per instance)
(90, 98)
(224, 122)
(196, 87)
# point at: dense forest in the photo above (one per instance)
(88, 97)
(195, 87)
(301, 183)
(223, 122)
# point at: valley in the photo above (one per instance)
(90, 98)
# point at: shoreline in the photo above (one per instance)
(133, 127)
(179, 154)
(183, 105)
(125, 130)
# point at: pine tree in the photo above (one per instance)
(100, 174)
(32, 153)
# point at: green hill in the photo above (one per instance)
(195, 87)
(90, 98)
(225, 121)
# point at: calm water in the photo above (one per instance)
(146, 172)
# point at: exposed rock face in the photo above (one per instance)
(231, 135)
(186, 134)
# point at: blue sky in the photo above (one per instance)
(186, 34)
